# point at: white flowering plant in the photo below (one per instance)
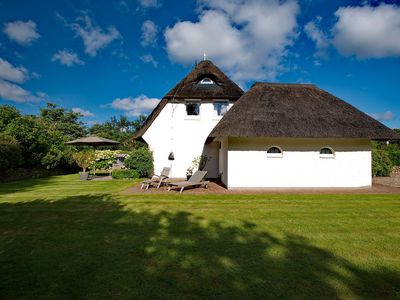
(105, 158)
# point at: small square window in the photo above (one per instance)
(193, 108)
(220, 107)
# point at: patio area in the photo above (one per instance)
(386, 187)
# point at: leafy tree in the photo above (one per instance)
(84, 158)
(7, 115)
(65, 121)
(120, 129)
(139, 122)
(10, 152)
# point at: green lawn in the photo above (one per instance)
(61, 238)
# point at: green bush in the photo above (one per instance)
(10, 152)
(394, 156)
(123, 174)
(141, 160)
(381, 163)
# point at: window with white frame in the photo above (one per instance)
(274, 151)
(326, 152)
(193, 108)
(206, 81)
(220, 107)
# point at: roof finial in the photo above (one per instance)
(204, 56)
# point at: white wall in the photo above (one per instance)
(184, 135)
(301, 165)
(223, 160)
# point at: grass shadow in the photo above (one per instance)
(94, 247)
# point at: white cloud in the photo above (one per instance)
(67, 57)
(149, 34)
(385, 116)
(13, 92)
(11, 73)
(94, 37)
(10, 90)
(368, 32)
(314, 33)
(247, 38)
(84, 113)
(148, 58)
(24, 33)
(150, 3)
(135, 106)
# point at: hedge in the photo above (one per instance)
(125, 174)
(394, 156)
(381, 163)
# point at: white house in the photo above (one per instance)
(274, 135)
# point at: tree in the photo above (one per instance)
(139, 122)
(120, 129)
(10, 152)
(65, 121)
(7, 115)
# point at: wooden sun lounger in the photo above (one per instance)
(194, 181)
(156, 180)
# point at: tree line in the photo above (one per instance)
(38, 141)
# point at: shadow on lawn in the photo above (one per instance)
(92, 247)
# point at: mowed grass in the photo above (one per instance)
(61, 238)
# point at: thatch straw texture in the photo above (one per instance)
(298, 111)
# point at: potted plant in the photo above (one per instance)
(83, 159)
(198, 163)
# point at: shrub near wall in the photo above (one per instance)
(381, 163)
(394, 156)
(141, 160)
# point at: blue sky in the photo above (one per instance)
(107, 58)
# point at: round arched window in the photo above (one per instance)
(206, 81)
(326, 152)
(274, 151)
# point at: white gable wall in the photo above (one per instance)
(300, 165)
(185, 136)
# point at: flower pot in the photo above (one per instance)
(83, 175)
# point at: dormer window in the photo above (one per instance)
(206, 81)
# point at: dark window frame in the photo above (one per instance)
(193, 111)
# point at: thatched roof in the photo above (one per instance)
(189, 88)
(300, 111)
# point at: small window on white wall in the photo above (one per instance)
(193, 108)
(220, 107)
(326, 152)
(274, 151)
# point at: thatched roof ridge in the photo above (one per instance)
(188, 88)
(298, 111)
